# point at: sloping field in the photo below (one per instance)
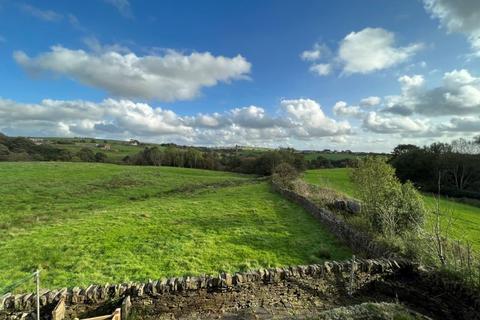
(465, 218)
(86, 223)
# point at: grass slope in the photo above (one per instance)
(96, 223)
(466, 218)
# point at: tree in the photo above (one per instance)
(86, 154)
(100, 157)
(402, 149)
(391, 207)
(284, 174)
(4, 150)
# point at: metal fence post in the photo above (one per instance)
(37, 273)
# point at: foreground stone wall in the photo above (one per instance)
(98, 293)
(355, 239)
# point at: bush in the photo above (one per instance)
(100, 157)
(86, 154)
(285, 174)
(392, 208)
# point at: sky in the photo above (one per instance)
(358, 75)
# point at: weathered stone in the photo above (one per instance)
(340, 205)
(140, 290)
(3, 301)
(27, 301)
(353, 206)
(180, 283)
(148, 290)
(76, 296)
(328, 267)
(161, 286)
(237, 279)
(171, 285)
(227, 280)
(9, 302)
(126, 306)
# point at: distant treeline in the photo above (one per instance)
(454, 168)
(260, 162)
(24, 149)
(230, 160)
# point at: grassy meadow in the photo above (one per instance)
(84, 223)
(465, 218)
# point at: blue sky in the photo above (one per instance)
(265, 73)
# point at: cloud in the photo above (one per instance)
(123, 6)
(372, 49)
(318, 51)
(122, 119)
(46, 15)
(322, 69)
(365, 51)
(74, 22)
(341, 108)
(458, 16)
(462, 124)
(459, 94)
(310, 121)
(370, 101)
(393, 124)
(169, 77)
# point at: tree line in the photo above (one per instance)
(231, 160)
(24, 149)
(454, 167)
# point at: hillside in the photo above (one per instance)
(87, 223)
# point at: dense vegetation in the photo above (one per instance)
(393, 213)
(465, 222)
(454, 167)
(85, 223)
(392, 208)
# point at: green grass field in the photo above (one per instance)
(466, 218)
(87, 223)
(118, 149)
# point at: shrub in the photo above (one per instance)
(86, 154)
(284, 174)
(100, 157)
(392, 208)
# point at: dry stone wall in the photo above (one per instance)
(99, 293)
(355, 239)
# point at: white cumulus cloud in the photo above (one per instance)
(458, 16)
(364, 51)
(114, 118)
(370, 101)
(310, 120)
(169, 77)
(322, 69)
(459, 94)
(393, 124)
(341, 108)
(372, 49)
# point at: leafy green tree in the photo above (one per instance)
(100, 157)
(86, 155)
(392, 208)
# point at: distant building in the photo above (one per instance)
(134, 142)
(103, 146)
(37, 141)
